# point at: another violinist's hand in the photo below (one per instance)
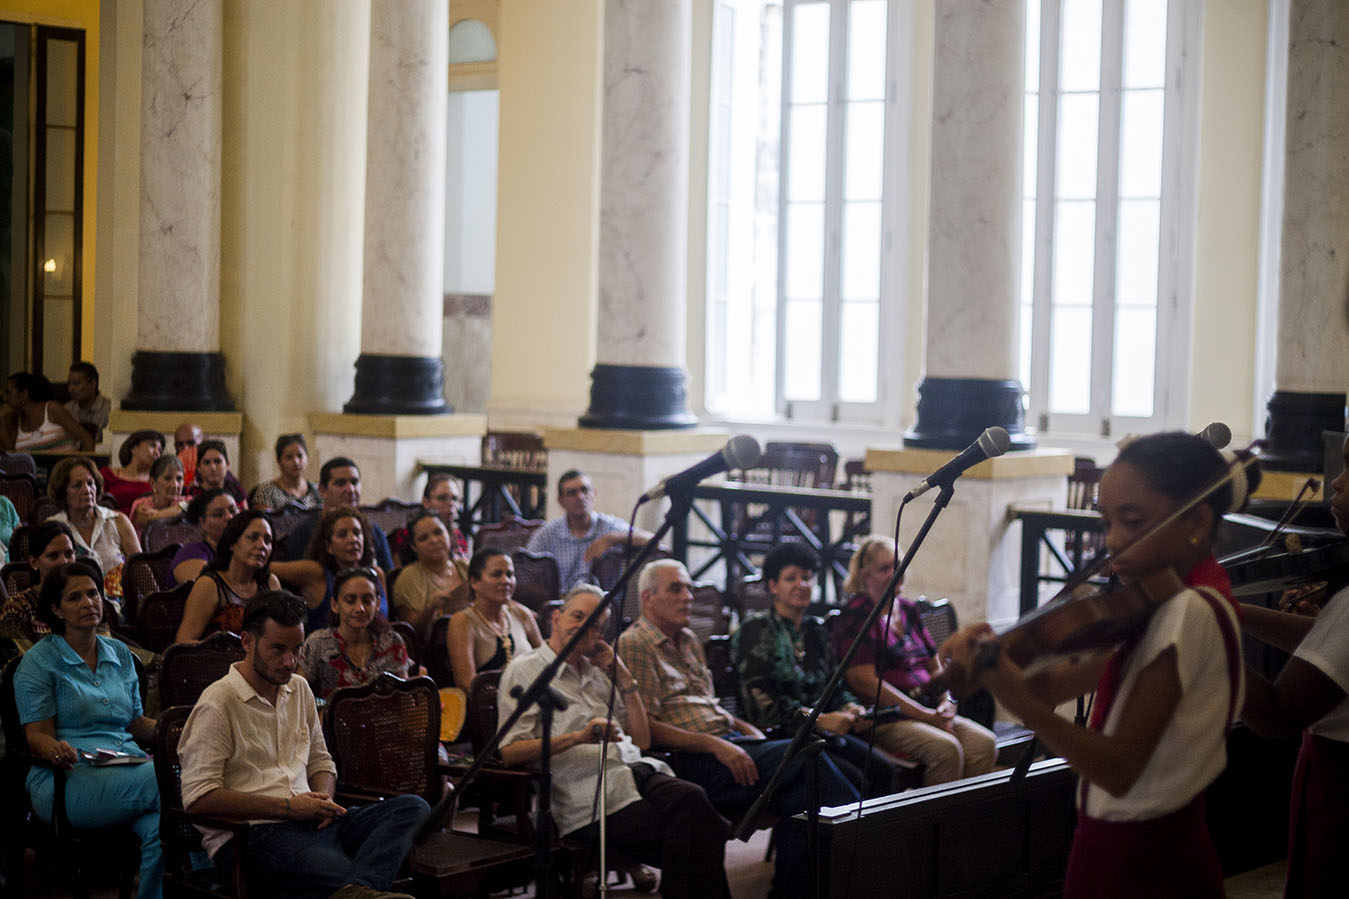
(946, 715)
(835, 722)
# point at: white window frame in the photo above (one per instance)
(1177, 226)
(884, 410)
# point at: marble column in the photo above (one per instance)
(178, 365)
(1312, 370)
(970, 373)
(400, 369)
(639, 380)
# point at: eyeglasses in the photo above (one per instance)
(359, 571)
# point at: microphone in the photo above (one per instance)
(741, 451)
(993, 442)
(1216, 433)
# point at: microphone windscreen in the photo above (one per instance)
(995, 441)
(742, 451)
(1217, 434)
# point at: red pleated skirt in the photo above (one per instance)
(1162, 857)
(1318, 822)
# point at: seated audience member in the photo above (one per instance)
(166, 495)
(581, 535)
(784, 660)
(32, 422)
(435, 584)
(186, 438)
(358, 643)
(78, 692)
(494, 628)
(339, 485)
(50, 545)
(645, 805)
(440, 497)
(9, 520)
(339, 543)
(894, 665)
(103, 533)
(213, 471)
(86, 405)
(132, 480)
(291, 487)
(236, 573)
(210, 511)
(727, 757)
(253, 748)
(1311, 695)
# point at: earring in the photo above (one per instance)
(1194, 539)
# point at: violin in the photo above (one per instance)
(1295, 568)
(1075, 621)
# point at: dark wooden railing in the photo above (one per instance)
(1068, 537)
(490, 494)
(745, 520)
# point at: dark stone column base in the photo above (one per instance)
(173, 382)
(638, 398)
(398, 385)
(1293, 429)
(953, 412)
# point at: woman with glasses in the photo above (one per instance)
(210, 511)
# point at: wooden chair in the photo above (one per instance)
(17, 577)
(632, 596)
(179, 838)
(18, 544)
(709, 617)
(537, 579)
(436, 655)
(405, 630)
(522, 450)
(159, 615)
(384, 738)
(142, 574)
(503, 798)
(169, 532)
(781, 465)
(44, 507)
(1084, 486)
(185, 669)
(21, 489)
(18, 463)
(509, 534)
(285, 520)
(390, 514)
(59, 844)
(725, 677)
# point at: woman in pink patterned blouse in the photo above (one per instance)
(358, 645)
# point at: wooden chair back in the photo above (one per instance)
(384, 736)
(725, 677)
(537, 579)
(21, 490)
(18, 463)
(159, 615)
(18, 544)
(436, 655)
(938, 617)
(509, 534)
(709, 617)
(142, 574)
(405, 630)
(632, 596)
(185, 669)
(482, 708)
(169, 532)
(17, 577)
(522, 450)
(179, 838)
(45, 507)
(390, 514)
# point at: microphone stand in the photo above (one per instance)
(747, 823)
(538, 692)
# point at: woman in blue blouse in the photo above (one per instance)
(77, 692)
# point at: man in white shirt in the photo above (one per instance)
(650, 815)
(253, 749)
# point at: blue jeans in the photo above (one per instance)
(791, 873)
(367, 845)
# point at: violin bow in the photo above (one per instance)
(1244, 459)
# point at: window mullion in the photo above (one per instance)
(835, 143)
(784, 168)
(1046, 159)
(1107, 214)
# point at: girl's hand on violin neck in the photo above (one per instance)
(959, 655)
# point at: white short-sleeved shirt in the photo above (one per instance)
(1326, 647)
(1192, 749)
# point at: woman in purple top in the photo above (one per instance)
(894, 666)
(211, 511)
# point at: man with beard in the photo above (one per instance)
(253, 749)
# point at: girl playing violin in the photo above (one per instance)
(1164, 698)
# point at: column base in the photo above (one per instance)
(168, 382)
(1293, 429)
(398, 385)
(638, 398)
(953, 412)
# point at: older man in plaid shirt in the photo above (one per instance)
(729, 758)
